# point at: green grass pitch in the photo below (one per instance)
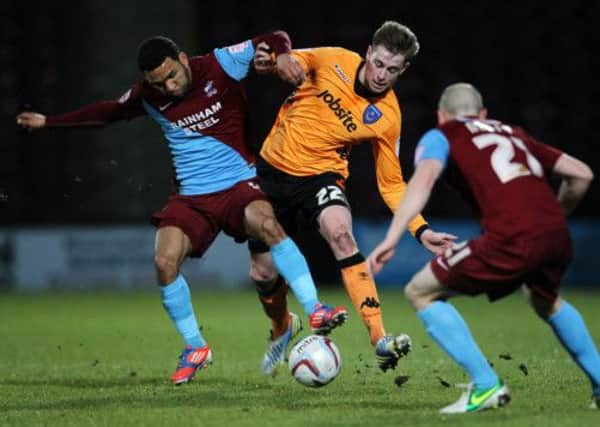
(104, 359)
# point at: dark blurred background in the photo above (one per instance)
(536, 66)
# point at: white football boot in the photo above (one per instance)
(474, 400)
(275, 354)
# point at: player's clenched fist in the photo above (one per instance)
(30, 120)
(286, 67)
(264, 59)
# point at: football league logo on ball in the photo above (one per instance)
(315, 361)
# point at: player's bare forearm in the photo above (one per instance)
(577, 177)
(416, 196)
(571, 192)
(289, 70)
(412, 204)
(284, 65)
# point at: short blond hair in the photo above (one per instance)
(461, 99)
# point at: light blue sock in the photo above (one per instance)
(293, 267)
(177, 302)
(447, 327)
(569, 327)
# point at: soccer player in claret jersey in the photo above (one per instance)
(344, 100)
(502, 172)
(199, 103)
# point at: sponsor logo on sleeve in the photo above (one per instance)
(240, 47)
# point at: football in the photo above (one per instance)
(315, 361)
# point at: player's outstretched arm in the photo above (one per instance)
(414, 200)
(31, 120)
(576, 179)
(380, 256)
(99, 113)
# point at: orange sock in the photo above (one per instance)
(274, 303)
(361, 289)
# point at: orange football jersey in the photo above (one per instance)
(320, 122)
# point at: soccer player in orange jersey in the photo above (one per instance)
(343, 100)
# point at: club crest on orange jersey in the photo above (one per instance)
(371, 114)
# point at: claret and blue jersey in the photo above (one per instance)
(205, 129)
(500, 170)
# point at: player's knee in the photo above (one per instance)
(410, 292)
(167, 267)
(542, 310)
(262, 274)
(543, 307)
(415, 295)
(343, 242)
(265, 287)
(271, 231)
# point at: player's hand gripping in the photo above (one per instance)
(31, 120)
(437, 242)
(286, 67)
(264, 61)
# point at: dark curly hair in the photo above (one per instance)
(154, 50)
